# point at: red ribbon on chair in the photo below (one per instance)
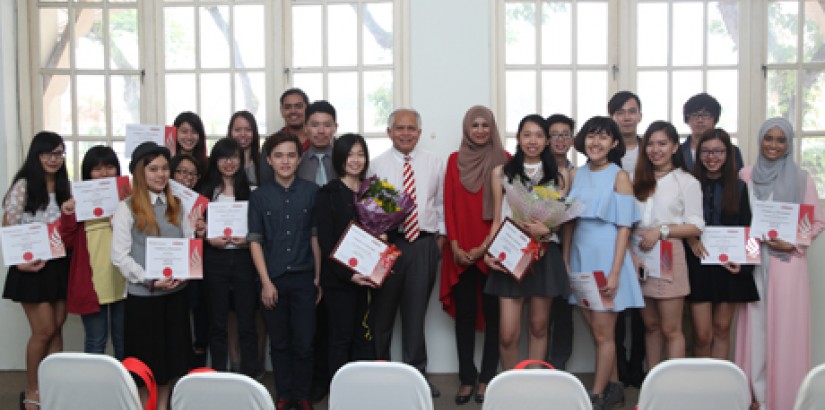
(143, 371)
(202, 370)
(533, 249)
(524, 363)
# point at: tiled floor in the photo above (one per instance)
(13, 382)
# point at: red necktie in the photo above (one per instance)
(411, 229)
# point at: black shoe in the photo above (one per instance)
(613, 395)
(597, 400)
(464, 399)
(434, 390)
(480, 396)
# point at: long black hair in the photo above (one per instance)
(596, 125)
(95, 156)
(254, 146)
(515, 167)
(225, 148)
(194, 121)
(340, 152)
(37, 195)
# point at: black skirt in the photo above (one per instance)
(157, 332)
(47, 285)
(714, 283)
(547, 277)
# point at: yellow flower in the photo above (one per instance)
(386, 185)
(379, 202)
(545, 192)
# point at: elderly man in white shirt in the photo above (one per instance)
(419, 239)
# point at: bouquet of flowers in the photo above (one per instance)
(540, 202)
(380, 206)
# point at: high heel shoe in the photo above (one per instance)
(480, 392)
(464, 398)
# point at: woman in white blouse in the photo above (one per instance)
(671, 206)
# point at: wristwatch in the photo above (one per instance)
(664, 232)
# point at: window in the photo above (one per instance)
(794, 69)
(557, 59)
(345, 52)
(102, 64)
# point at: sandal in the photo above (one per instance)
(25, 403)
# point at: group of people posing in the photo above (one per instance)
(300, 187)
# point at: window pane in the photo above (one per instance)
(652, 32)
(723, 85)
(214, 24)
(591, 29)
(813, 160)
(342, 35)
(125, 102)
(781, 94)
(179, 37)
(54, 38)
(311, 83)
(89, 35)
(520, 37)
(652, 87)
(556, 32)
(120, 148)
(520, 97)
(124, 52)
(307, 43)
(71, 162)
(783, 17)
(91, 103)
(215, 102)
(591, 94)
(250, 88)
(57, 104)
(249, 36)
(343, 94)
(814, 49)
(688, 33)
(377, 33)
(378, 100)
(378, 145)
(723, 32)
(685, 84)
(813, 100)
(181, 95)
(556, 93)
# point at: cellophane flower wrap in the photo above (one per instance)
(380, 206)
(540, 202)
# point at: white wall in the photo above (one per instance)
(450, 54)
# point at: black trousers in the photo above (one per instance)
(466, 294)
(230, 272)
(350, 332)
(632, 365)
(560, 342)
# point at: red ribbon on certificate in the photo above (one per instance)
(389, 256)
(534, 249)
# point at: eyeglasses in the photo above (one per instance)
(718, 152)
(701, 115)
(232, 159)
(53, 156)
(563, 135)
(186, 173)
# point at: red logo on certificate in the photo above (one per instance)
(227, 232)
(723, 257)
(28, 256)
(353, 262)
(773, 234)
(98, 212)
(167, 272)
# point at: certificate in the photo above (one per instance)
(179, 258)
(227, 219)
(658, 261)
(365, 254)
(792, 223)
(193, 203)
(587, 288)
(98, 198)
(729, 244)
(31, 242)
(515, 248)
(137, 134)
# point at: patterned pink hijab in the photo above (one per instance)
(476, 162)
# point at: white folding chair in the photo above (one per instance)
(695, 383)
(811, 393)
(379, 386)
(536, 389)
(220, 390)
(84, 381)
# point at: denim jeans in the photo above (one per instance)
(97, 325)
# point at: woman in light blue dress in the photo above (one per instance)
(598, 241)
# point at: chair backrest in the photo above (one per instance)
(220, 390)
(536, 389)
(812, 391)
(379, 385)
(85, 381)
(695, 383)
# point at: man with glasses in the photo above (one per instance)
(625, 108)
(701, 114)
